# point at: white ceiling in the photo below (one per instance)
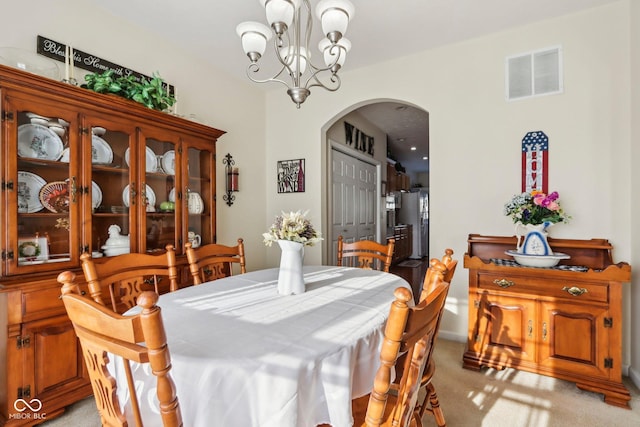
(406, 127)
(380, 30)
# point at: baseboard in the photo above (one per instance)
(634, 376)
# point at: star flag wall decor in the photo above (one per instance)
(535, 162)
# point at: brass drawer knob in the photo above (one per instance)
(504, 283)
(575, 291)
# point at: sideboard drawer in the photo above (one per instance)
(545, 287)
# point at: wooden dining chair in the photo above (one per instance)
(127, 276)
(139, 338)
(365, 254)
(214, 261)
(450, 268)
(436, 272)
(410, 330)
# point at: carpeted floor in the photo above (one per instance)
(488, 398)
(512, 398)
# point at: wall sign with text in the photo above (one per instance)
(357, 139)
(56, 51)
(535, 162)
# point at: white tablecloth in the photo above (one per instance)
(245, 356)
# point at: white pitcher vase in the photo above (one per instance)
(290, 278)
(532, 239)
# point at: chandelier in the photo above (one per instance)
(291, 45)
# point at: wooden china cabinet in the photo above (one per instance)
(564, 322)
(73, 163)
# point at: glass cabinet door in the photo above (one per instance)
(41, 187)
(199, 190)
(160, 195)
(107, 148)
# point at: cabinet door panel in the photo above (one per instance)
(43, 201)
(108, 147)
(573, 337)
(391, 172)
(505, 327)
(199, 192)
(54, 351)
(159, 156)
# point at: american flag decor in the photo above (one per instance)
(535, 162)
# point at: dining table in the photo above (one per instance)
(243, 355)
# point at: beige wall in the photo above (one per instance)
(633, 304)
(475, 135)
(236, 106)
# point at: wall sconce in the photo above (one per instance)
(231, 179)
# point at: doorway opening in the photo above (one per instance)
(401, 158)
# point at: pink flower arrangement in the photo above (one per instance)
(535, 208)
(545, 201)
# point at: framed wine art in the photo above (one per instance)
(291, 176)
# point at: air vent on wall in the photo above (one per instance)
(534, 73)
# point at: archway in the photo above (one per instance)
(397, 122)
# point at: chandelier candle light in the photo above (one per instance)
(292, 46)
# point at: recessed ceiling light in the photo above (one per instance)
(400, 140)
(425, 158)
(413, 148)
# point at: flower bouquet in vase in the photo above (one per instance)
(532, 214)
(293, 231)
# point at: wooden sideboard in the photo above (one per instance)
(564, 322)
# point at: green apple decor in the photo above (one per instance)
(167, 206)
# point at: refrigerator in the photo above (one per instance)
(414, 210)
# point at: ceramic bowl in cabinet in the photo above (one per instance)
(115, 250)
(538, 260)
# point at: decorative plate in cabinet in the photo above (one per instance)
(39, 142)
